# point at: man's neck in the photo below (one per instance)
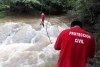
(76, 26)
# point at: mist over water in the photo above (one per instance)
(22, 45)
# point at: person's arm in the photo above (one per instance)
(92, 52)
(57, 45)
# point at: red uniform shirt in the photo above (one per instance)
(42, 16)
(76, 46)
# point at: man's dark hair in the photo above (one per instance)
(78, 23)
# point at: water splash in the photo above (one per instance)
(23, 46)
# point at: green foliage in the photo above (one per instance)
(2, 14)
(97, 35)
(33, 1)
(31, 6)
(4, 7)
(85, 11)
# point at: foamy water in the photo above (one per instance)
(23, 46)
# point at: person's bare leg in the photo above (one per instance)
(42, 23)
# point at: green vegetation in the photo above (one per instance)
(34, 6)
(2, 14)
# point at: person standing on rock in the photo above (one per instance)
(42, 18)
(75, 45)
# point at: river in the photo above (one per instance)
(25, 43)
(35, 20)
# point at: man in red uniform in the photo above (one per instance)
(75, 45)
(42, 18)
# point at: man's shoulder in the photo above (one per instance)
(90, 34)
(66, 30)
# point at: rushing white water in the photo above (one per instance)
(23, 46)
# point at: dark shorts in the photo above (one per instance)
(42, 23)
